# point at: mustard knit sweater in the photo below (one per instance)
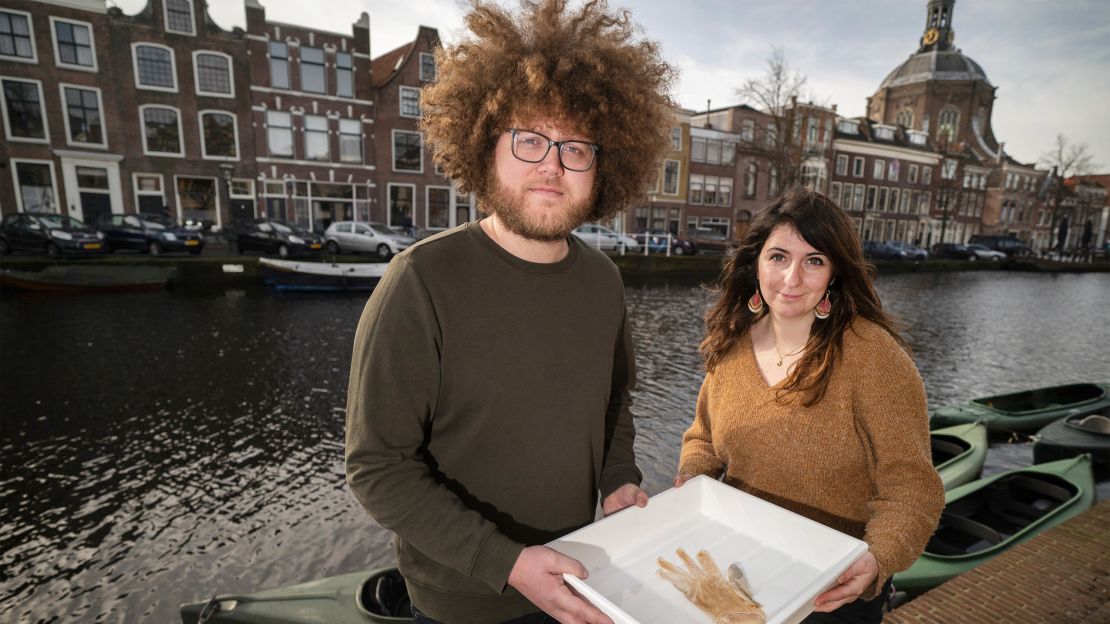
(858, 461)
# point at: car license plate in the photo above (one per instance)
(314, 246)
(92, 245)
(192, 243)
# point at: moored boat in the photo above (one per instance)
(1028, 410)
(959, 453)
(320, 276)
(1068, 437)
(79, 278)
(372, 597)
(983, 518)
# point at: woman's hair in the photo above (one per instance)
(822, 224)
(579, 67)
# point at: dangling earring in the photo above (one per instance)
(755, 303)
(824, 307)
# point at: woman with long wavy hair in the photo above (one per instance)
(811, 399)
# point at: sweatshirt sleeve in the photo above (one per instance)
(620, 433)
(391, 400)
(907, 494)
(698, 455)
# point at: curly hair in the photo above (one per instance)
(822, 224)
(581, 68)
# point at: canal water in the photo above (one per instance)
(160, 448)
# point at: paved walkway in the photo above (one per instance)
(1059, 577)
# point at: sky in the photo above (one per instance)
(1050, 60)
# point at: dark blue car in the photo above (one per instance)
(49, 233)
(150, 233)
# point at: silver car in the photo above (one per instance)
(605, 239)
(362, 237)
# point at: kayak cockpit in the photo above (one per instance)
(945, 448)
(1043, 398)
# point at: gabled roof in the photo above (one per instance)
(386, 66)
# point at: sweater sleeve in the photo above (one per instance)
(698, 455)
(391, 400)
(907, 494)
(619, 466)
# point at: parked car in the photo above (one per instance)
(1008, 245)
(981, 252)
(362, 237)
(49, 233)
(276, 237)
(879, 250)
(913, 252)
(151, 233)
(953, 251)
(605, 239)
(656, 241)
(423, 233)
(709, 240)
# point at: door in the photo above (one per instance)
(241, 210)
(94, 206)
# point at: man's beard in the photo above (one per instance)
(508, 205)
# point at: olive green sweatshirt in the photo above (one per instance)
(488, 407)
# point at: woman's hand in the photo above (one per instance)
(849, 585)
(681, 478)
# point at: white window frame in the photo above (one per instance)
(30, 32)
(204, 144)
(65, 115)
(292, 137)
(428, 203)
(57, 50)
(135, 187)
(401, 102)
(878, 168)
(305, 132)
(180, 132)
(859, 167)
(42, 105)
(676, 139)
(135, 66)
(218, 195)
(435, 69)
(288, 65)
(393, 151)
(361, 140)
(323, 65)
(842, 159)
(192, 19)
(53, 182)
(351, 69)
(230, 74)
(677, 177)
(388, 200)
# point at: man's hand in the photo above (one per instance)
(538, 575)
(849, 585)
(624, 496)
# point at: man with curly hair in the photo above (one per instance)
(488, 408)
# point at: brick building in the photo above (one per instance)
(1014, 204)
(662, 209)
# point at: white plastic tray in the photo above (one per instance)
(787, 558)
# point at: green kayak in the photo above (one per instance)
(959, 452)
(983, 518)
(374, 597)
(1068, 437)
(1028, 410)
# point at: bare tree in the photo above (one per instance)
(776, 93)
(1066, 160)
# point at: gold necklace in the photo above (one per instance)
(775, 341)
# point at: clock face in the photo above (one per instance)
(931, 36)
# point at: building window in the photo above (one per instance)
(697, 149)
(676, 139)
(148, 193)
(23, 110)
(427, 67)
(213, 72)
(893, 170)
(36, 186)
(834, 192)
(879, 167)
(400, 204)
(747, 131)
(773, 181)
(772, 135)
(16, 38)
(407, 153)
(312, 70)
(154, 68)
(842, 165)
(751, 173)
(696, 183)
(713, 152)
(83, 121)
(724, 192)
(218, 134)
(904, 118)
(344, 74)
(410, 102)
(871, 196)
(350, 140)
(179, 16)
(812, 130)
(161, 131)
(438, 206)
(279, 65)
(857, 167)
(73, 44)
(316, 138)
(947, 122)
(926, 175)
(912, 176)
(279, 133)
(670, 177)
(709, 195)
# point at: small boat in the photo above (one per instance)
(374, 597)
(983, 518)
(85, 278)
(1026, 411)
(1068, 437)
(959, 452)
(320, 276)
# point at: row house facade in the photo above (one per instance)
(1083, 214)
(1016, 203)
(662, 210)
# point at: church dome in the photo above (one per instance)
(935, 64)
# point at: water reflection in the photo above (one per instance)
(160, 448)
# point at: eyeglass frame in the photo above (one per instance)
(558, 151)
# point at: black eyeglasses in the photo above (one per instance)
(532, 147)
